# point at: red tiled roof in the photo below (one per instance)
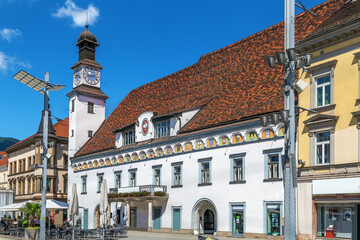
(231, 84)
(61, 130)
(3, 158)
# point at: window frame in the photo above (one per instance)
(267, 154)
(117, 173)
(91, 107)
(72, 105)
(233, 206)
(173, 166)
(130, 171)
(323, 90)
(234, 158)
(99, 175)
(154, 169)
(201, 162)
(266, 207)
(323, 143)
(83, 178)
(167, 127)
(128, 139)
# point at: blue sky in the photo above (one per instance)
(141, 41)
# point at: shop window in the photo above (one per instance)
(323, 148)
(336, 220)
(238, 219)
(273, 214)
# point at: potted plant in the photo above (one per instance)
(31, 210)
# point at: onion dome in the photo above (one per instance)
(86, 34)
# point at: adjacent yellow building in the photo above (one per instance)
(328, 135)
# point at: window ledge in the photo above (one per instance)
(273, 180)
(324, 108)
(204, 184)
(237, 182)
(83, 193)
(177, 186)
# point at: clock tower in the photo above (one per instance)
(86, 100)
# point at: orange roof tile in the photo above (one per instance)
(231, 84)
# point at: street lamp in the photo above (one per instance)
(290, 62)
(42, 86)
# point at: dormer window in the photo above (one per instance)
(162, 129)
(129, 137)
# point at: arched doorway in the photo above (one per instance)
(204, 216)
(97, 217)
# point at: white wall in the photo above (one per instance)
(254, 192)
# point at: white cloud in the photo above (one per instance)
(8, 62)
(80, 16)
(9, 34)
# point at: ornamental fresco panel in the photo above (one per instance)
(159, 152)
(168, 150)
(101, 163)
(96, 164)
(199, 145)
(267, 133)
(113, 161)
(151, 153)
(107, 162)
(251, 136)
(142, 155)
(188, 147)
(223, 141)
(178, 148)
(79, 166)
(90, 164)
(127, 158)
(120, 159)
(281, 131)
(237, 138)
(135, 157)
(75, 168)
(211, 143)
(85, 166)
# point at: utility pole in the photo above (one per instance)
(289, 104)
(44, 159)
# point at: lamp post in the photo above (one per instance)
(290, 62)
(42, 86)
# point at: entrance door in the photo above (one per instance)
(238, 223)
(133, 217)
(208, 221)
(86, 215)
(118, 216)
(157, 218)
(176, 219)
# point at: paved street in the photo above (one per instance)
(136, 235)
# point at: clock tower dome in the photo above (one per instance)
(86, 100)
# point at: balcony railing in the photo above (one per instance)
(147, 188)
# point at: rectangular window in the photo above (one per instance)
(273, 218)
(48, 185)
(205, 171)
(72, 133)
(65, 185)
(238, 169)
(323, 91)
(157, 175)
(90, 107)
(100, 178)
(129, 137)
(73, 105)
(83, 184)
(132, 178)
(273, 164)
(90, 134)
(323, 148)
(177, 171)
(162, 129)
(238, 219)
(117, 179)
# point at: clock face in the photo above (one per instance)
(91, 75)
(77, 76)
